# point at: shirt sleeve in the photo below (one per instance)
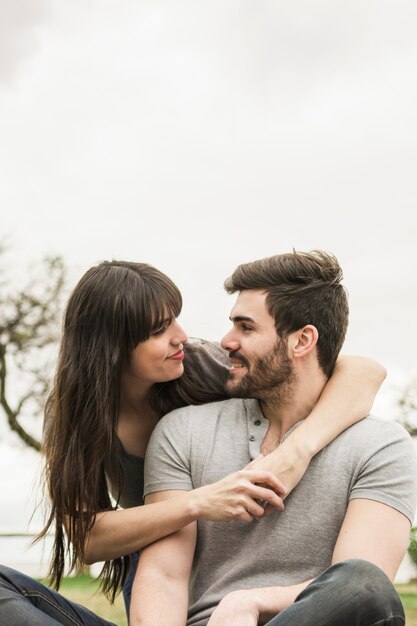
(209, 365)
(206, 370)
(389, 473)
(167, 460)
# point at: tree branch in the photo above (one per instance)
(12, 415)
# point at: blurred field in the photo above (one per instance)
(84, 590)
(408, 595)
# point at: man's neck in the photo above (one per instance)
(295, 401)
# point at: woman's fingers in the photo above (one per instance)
(263, 477)
(248, 511)
(258, 496)
(267, 497)
(255, 502)
(242, 496)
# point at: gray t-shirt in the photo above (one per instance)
(195, 446)
(207, 365)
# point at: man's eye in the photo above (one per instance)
(246, 328)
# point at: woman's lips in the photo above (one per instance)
(177, 356)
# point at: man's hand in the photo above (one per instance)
(235, 609)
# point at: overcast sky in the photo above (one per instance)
(196, 135)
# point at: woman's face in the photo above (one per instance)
(159, 358)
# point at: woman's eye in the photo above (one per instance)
(159, 331)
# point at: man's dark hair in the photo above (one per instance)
(302, 288)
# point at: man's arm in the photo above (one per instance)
(374, 532)
(160, 588)
(371, 531)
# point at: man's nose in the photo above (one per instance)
(230, 343)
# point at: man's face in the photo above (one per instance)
(260, 365)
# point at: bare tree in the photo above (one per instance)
(29, 325)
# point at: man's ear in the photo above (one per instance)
(304, 341)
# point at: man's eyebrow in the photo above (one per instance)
(242, 318)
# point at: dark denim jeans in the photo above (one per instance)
(127, 587)
(24, 601)
(352, 593)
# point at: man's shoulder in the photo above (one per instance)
(374, 437)
(209, 411)
(204, 421)
(377, 427)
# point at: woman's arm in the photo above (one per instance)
(346, 399)
(235, 497)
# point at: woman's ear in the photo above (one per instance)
(305, 340)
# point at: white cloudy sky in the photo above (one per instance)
(198, 134)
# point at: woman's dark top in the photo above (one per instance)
(206, 368)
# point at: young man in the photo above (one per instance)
(328, 558)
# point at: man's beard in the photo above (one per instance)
(269, 377)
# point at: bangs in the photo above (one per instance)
(166, 308)
(160, 300)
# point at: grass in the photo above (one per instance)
(85, 591)
(408, 595)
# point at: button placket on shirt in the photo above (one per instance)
(257, 430)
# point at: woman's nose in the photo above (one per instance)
(179, 336)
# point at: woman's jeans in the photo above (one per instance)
(127, 587)
(24, 601)
(351, 593)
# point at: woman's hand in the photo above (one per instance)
(238, 496)
(288, 463)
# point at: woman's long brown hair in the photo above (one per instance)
(115, 306)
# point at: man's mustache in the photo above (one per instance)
(236, 356)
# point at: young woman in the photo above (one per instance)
(125, 361)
